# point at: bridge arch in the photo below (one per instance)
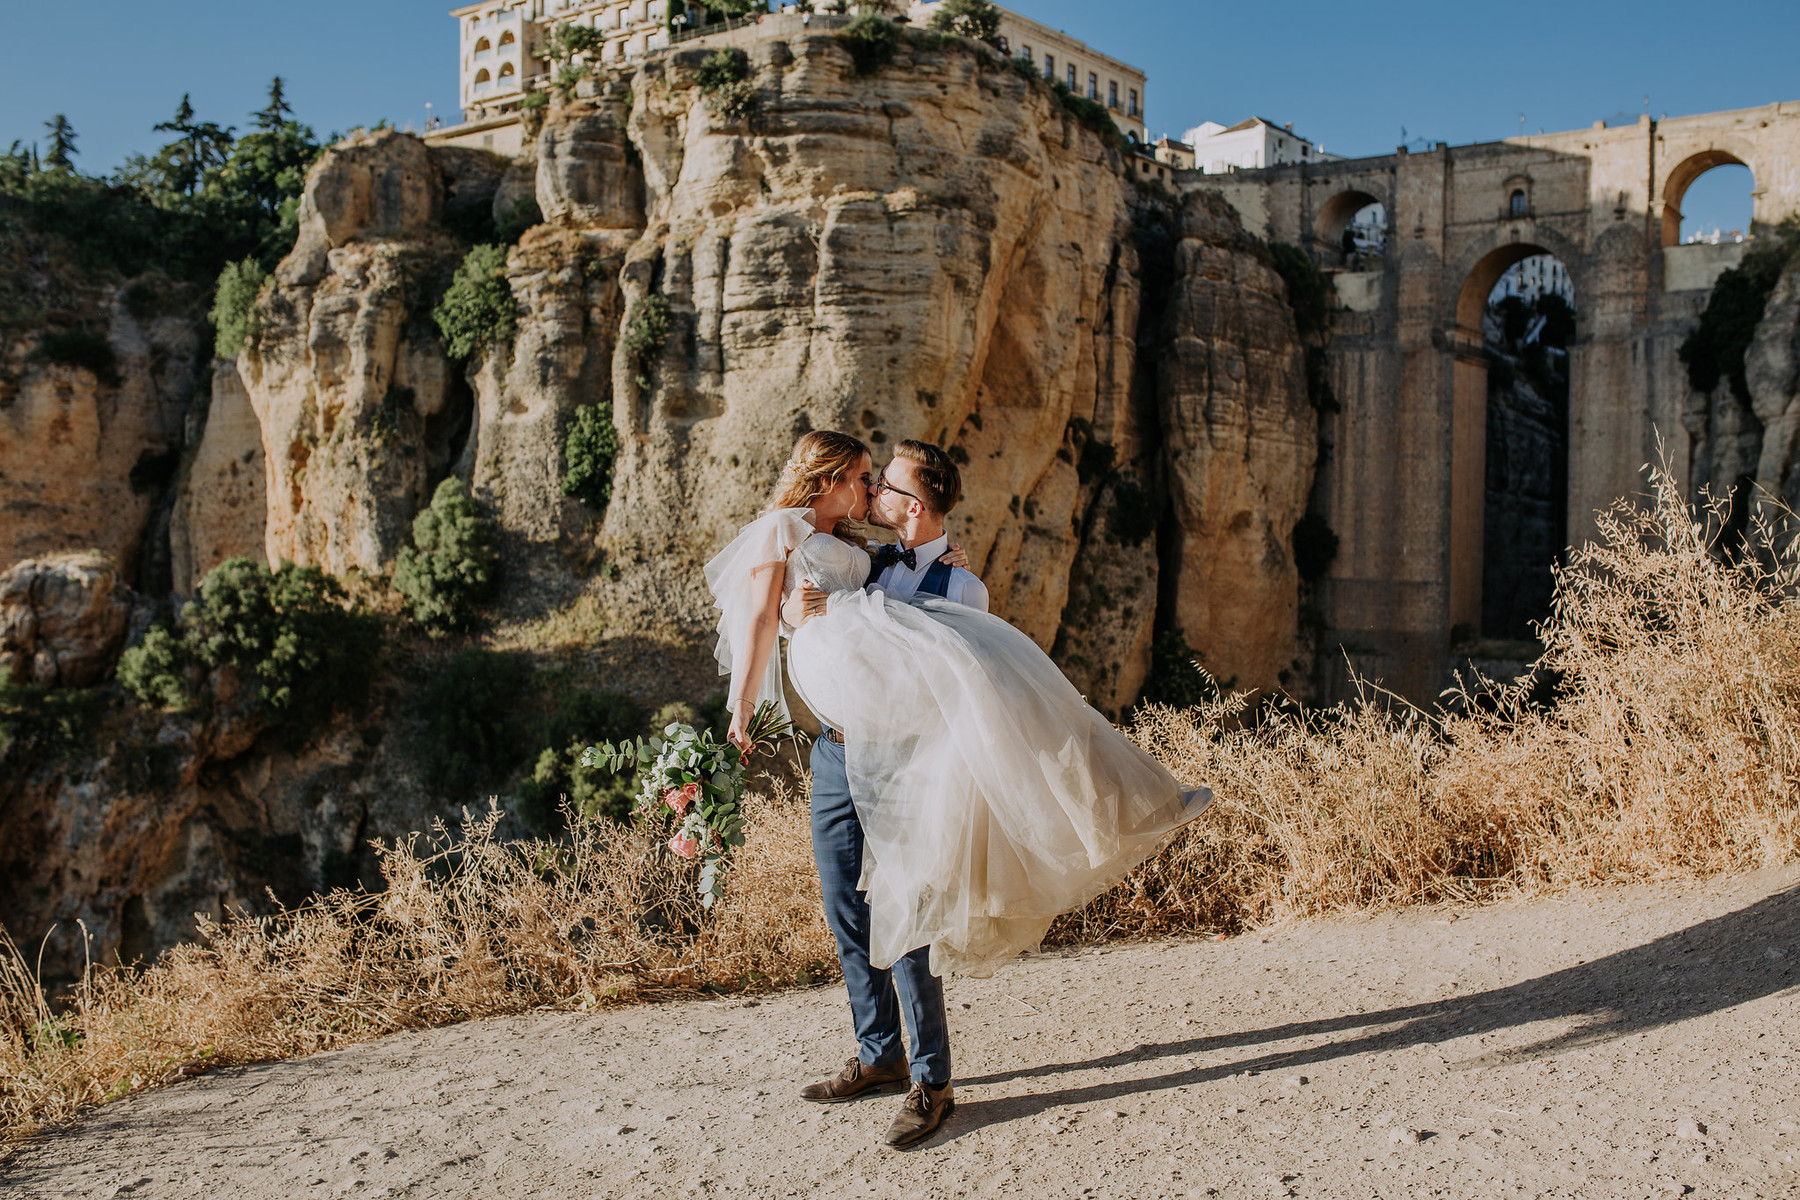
(1481, 269)
(1335, 214)
(1682, 176)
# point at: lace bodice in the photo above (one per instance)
(832, 564)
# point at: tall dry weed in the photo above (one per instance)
(1673, 749)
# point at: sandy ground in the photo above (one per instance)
(1613, 1044)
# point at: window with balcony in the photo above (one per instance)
(1049, 66)
(507, 38)
(1516, 206)
(1093, 86)
(1112, 94)
(482, 79)
(482, 46)
(1071, 75)
(1133, 110)
(1025, 53)
(506, 70)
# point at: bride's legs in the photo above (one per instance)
(875, 1009)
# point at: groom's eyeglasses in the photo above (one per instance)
(882, 485)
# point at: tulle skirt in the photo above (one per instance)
(992, 796)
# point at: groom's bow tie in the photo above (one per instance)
(887, 556)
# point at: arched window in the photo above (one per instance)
(506, 69)
(1516, 205)
(507, 38)
(482, 46)
(481, 77)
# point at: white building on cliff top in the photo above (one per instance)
(502, 61)
(1250, 144)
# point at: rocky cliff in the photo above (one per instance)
(940, 250)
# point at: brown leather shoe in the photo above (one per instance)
(924, 1109)
(854, 1080)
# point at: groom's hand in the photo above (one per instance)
(803, 604)
(956, 557)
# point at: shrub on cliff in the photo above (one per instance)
(588, 453)
(871, 40)
(976, 19)
(724, 80)
(234, 306)
(292, 632)
(477, 310)
(646, 329)
(450, 568)
(1176, 677)
(1715, 349)
(83, 349)
(1309, 291)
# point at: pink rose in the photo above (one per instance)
(684, 847)
(680, 798)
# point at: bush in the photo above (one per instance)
(84, 350)
(472, 731)
(588, 453)
(1315, 547)
(155, 670)
(520, 216)
(721, 69)
(593, 793)
(291, 631)
(646, 329)
(478, 309)
(450, 567)
(871, 40)
(1134, 512)
(1309, 291)
(1176, 677)
(234, 306)
(53, 720)
(978, 19)
(1715, 349)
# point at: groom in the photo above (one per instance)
(911, 496)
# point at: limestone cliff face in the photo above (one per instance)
(358, 410)
(1241, 439)
(939, 255)
(85, 457)
(221, 505)
(1772, 369)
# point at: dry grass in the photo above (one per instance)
(1672, 751)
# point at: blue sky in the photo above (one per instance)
(1349, 76)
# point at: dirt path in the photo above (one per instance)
(1614, 1044)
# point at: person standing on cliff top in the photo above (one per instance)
(964, 793)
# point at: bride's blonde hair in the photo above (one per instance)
(820, 460)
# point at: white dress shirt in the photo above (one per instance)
(902, 582)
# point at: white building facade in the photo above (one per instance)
(1068, 61)
(1250, 144)
(502, 43)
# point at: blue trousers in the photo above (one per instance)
(874, 1006)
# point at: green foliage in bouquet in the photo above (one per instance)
(696, 780)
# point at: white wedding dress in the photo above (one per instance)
(992, 796)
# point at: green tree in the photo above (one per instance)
(976, 19)
(234, 306)
(871, 40)
(451, 566)
(588, 453)
(203, 146)
(277, 111)
(62, 143)
(570, 41)
(477, 310)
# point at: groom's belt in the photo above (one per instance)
(833, 736)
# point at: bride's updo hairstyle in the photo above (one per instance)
(819, 461)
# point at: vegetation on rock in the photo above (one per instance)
(871, 40)
(724, 79)
(1715, 349)
(978, 19)
(1309, 291)
(478, 310)
(292, 632)
(588, 453)
(234, 306)
(450, 568)
(646, 329)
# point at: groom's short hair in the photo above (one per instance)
(940, 483)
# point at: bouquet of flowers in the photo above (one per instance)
(697, 782)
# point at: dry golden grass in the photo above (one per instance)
(1673, 750)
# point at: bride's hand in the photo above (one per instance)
(739, 734)
(956, 557)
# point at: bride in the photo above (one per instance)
(992, 797)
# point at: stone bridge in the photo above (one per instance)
(1401, 473)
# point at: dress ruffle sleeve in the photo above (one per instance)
(766, 541)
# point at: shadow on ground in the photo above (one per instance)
(1714, 965)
